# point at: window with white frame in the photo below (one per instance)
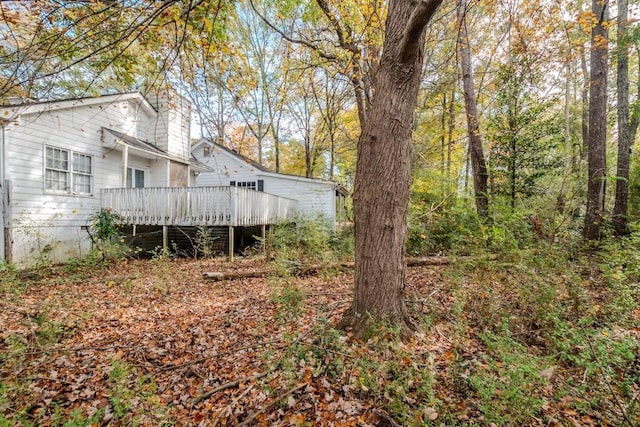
(135, 178)
(251, 185)
(67, 171)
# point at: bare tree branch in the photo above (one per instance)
(290, 39)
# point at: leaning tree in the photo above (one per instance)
(383, 172)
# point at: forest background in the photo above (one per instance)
(521, 146)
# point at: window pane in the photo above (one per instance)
(57, 159)
(49, 157)
(56, 180)
(129, 185)
(81, 183)
(81, 163)
(60, 159)
(139, 179)
(247, 184)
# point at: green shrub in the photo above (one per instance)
(303, 241)
(105, 225)
(508, 382)
(105, 234)
(456, 229)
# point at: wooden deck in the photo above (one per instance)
(197, 206)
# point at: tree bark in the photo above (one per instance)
(584, 123)
(478, 164)
(452, 124)
(383, 174)
(597, 122)
(621, 209)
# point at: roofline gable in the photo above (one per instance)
(244, 159)
(10, 112)
(263, 171)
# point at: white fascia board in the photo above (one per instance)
(317, 181)
(10, 113)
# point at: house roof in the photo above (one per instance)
(268, 172)
(148, 149)
(30, 107)
(137, 143)
(242, 157)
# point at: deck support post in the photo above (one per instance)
(231, 239)
(165, 239)
(263, 235)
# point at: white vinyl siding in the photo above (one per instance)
(67, 172)
(315, 197)
(39, 216)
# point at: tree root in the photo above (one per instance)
(363, 326)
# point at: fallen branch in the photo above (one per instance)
(386, 417)
(314, 269)
(253, 416)
(234, 383)
(230, 406)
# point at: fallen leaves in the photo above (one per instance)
(147, 343)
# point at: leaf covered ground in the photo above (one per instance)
(152, 342)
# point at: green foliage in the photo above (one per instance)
(620, 266)
(133, 398)
(307, 241)
(634, 187)
(525, 134)
(204, 242)
(542, 311)
(382, 369)
(105, 225)
(456, 229)
(105, 232)
(290, 300)
(508, 384)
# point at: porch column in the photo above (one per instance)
(125, 165)
(231, 240)
(165, 239)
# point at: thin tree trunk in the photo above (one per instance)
(585, 106)
(597, 123)
(452, 123)
(512, 170)
(568, 146)
(620, 210)
(383, 174)
(478, 164)
(443, 131)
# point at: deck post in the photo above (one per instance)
(231, 239)
(263, 235)
(165, 240)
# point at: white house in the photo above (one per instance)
(315, 197)
(57, 156)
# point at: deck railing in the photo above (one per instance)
(197, 206)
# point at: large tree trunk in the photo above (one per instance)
(620, 210)
(597, 122)
(478, 164)
(383, 173)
